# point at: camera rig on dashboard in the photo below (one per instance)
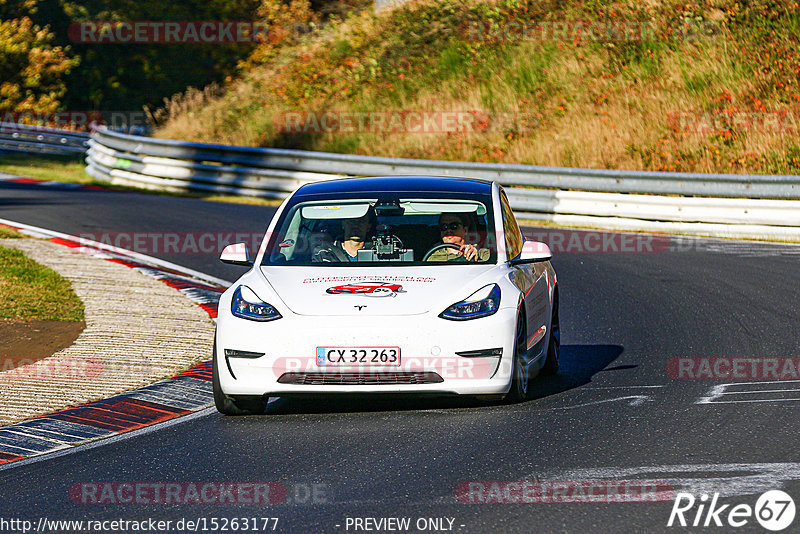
(386, 246)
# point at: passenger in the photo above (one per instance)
(356, 235)
(453, 228)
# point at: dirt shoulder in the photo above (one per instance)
(24, 342)
(40, 314)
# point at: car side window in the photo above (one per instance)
(510, 228)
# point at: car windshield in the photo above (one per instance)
(396, 230)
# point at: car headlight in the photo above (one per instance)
(483, 303)
(247, 305)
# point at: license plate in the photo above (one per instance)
(357, 356)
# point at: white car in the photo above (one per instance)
(387, 285)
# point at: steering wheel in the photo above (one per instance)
(440, 246)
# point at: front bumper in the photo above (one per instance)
(428, 347)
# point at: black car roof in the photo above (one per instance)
(377, 184)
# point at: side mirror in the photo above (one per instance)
(236, 254)
(533, 251)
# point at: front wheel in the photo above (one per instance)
(228, 405)
(519, 380)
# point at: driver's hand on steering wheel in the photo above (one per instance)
(470, 252)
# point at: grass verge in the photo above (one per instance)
(8, 233)
(29, 290)
(48, 168)
(672, 85)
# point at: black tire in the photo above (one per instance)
(228, 405)
(519, 383)
(552, 362)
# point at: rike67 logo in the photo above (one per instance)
(774, 510)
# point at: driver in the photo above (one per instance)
(453, 228)
(355, 235)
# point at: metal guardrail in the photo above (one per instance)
(41, 140)
(732, 205)
(750, 206)
(239, 160)
(720, 204)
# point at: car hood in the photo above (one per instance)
(371, 291)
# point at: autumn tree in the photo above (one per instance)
(32, 69)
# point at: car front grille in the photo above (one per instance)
(359, 379)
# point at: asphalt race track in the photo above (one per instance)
(616, 412)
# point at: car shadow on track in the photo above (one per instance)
(578, 364)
